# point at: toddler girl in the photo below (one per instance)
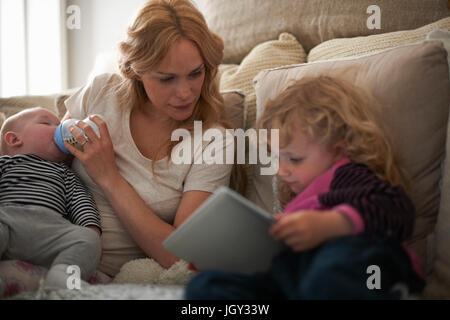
(345, 229)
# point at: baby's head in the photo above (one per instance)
(322, 119)
(31, 131)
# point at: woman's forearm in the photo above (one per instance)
(146, 228)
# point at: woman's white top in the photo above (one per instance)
(161, 194)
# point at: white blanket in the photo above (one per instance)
(140, 279)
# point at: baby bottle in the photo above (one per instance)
(62, 134)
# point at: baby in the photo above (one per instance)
(47, 216)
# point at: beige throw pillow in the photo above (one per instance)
(412, 84)
(439, 284)
(358, 46)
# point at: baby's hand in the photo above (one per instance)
(307, 229)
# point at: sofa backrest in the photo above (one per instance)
(244, 24)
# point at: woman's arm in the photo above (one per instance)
(145, 227)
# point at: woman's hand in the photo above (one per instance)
(308, 229)
(97, 156)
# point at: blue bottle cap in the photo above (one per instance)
(59, 139)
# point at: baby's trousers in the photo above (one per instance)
(349, 267)
(43, 237)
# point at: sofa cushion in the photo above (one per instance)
(411, 83)
(438, 286)
(245, 24)
(53, 102)
(234, 107)
(340, 48)
(12, 105)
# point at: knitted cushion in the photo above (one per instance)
(284, 51)
(339, 48)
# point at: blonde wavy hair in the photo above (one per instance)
(332, 110)
(157, 26)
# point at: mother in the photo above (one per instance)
(168, 65)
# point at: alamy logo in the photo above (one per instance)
(190, 149)
(74, 19)
(74, 279)
(374, 281)
(374, 21)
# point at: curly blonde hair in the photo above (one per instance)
(332, 110)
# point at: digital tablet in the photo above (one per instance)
(227, 232)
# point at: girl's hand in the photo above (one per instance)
(97, 156)
(308, 229)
